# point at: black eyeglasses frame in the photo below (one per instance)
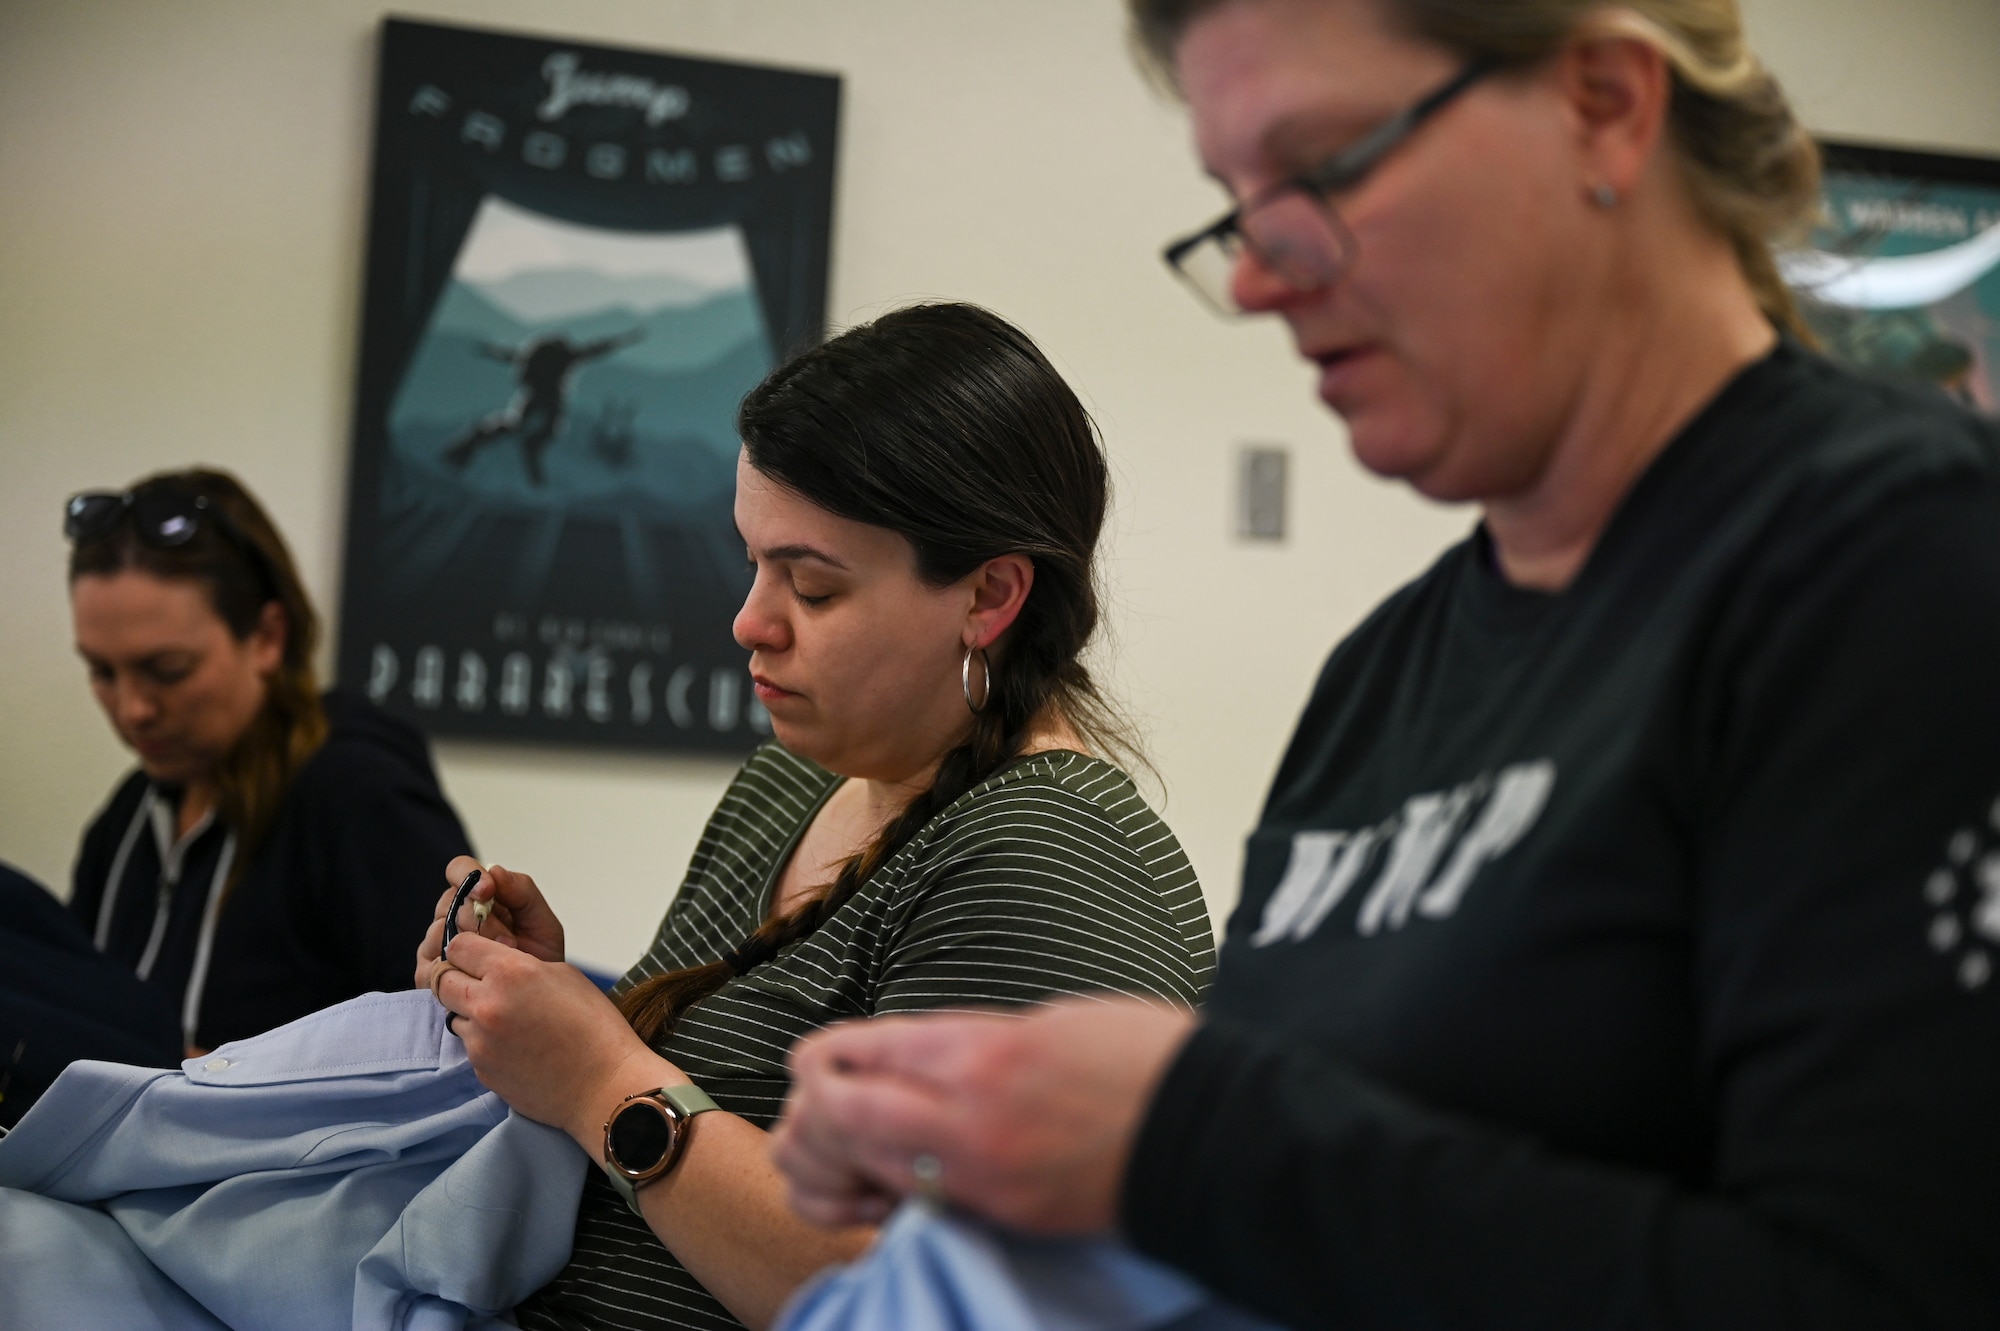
(154, 511)
(1344, 170)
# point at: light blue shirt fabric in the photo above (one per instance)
(347, 1170)
(944, 1272)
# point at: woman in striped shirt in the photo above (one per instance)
(920, 499)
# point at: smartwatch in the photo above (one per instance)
(645, 1135)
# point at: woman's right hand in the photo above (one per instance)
(521, 917)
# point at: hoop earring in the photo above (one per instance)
(985, 674)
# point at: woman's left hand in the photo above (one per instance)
(1030, 1119)
(544, 1037)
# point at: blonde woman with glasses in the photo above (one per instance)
(1617, 944)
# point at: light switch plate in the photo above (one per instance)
(1262, 475)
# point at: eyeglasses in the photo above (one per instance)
(165, 517)
(1291, 226)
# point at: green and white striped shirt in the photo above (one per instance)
(1050, 877)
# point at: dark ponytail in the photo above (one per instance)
(947, 426)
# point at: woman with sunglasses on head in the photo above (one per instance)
(1617, 945)
(931, 828)
(268, 857)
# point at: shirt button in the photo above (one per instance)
(216, 1064)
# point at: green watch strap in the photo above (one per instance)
(623, 1187)
(687, 1100)
(690, 1099)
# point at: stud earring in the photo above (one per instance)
(1604, 196)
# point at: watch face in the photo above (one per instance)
(640, 1137)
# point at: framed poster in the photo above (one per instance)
(1903, 275)
(579, 259)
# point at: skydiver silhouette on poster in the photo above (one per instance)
(542, 370)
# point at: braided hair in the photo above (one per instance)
(946, 425)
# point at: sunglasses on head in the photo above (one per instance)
(163, 516)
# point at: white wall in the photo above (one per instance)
(182, 190)
(1919, 74)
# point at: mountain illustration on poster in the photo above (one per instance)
(679, 335)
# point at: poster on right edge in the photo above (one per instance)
(1902, 276)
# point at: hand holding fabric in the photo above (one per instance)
(1030, 1119)
(544, 1037)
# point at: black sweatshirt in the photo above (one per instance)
(333, 904)
(61, 1001)
(1624, 957)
